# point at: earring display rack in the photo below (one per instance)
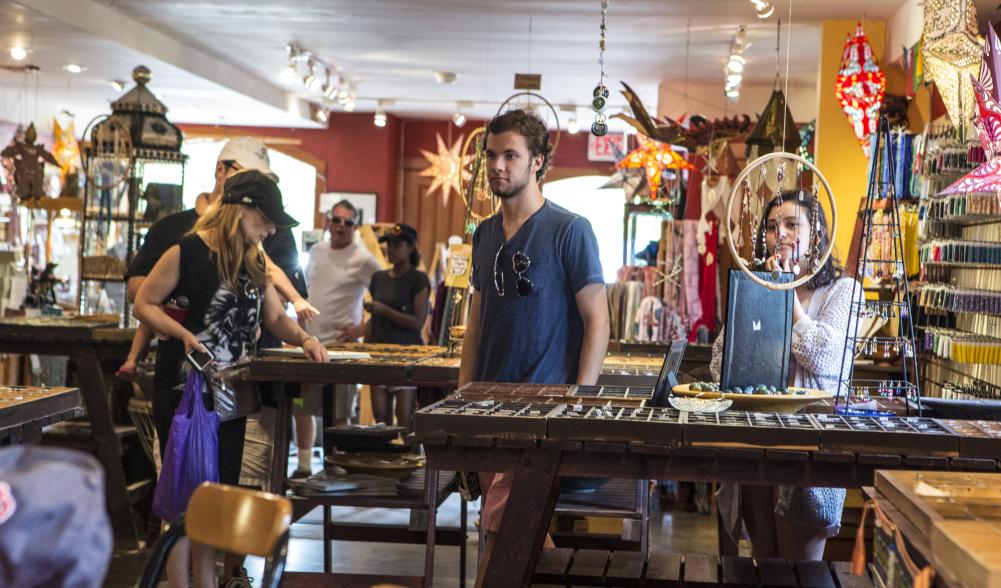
(880, 259)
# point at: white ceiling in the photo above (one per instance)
(219, 62)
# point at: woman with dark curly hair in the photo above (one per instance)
(783, 521)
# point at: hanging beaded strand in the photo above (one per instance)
(815, 230)
(795, 258)
(599, 98)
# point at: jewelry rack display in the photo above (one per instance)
(880, 259)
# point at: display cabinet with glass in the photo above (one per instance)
(134, 176)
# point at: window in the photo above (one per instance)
(603, 208)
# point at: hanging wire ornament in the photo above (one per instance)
(751, 190)
(860, 86)
(599, 98)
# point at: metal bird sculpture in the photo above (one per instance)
(697, 137)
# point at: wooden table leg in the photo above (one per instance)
(431, 498)
(283, 433)
(534, 490)
(106, 445)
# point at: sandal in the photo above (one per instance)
(127, 374)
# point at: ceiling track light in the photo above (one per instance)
(379, 119)
(763, 8)
(18, 53)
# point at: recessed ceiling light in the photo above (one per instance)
(74, 68)
(445, 78)
(18, 53)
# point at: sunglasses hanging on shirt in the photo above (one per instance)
(520, 264)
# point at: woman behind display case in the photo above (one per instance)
(783, 521)
(220, 268)
(399, 309)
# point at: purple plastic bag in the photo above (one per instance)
(192, 454)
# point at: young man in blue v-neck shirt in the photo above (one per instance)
(539, 313)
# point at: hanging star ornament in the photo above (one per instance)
(860, 86)
(952, 53)
(444, 169)
(654, 158)
(987, 177)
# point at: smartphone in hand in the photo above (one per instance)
(200, 359)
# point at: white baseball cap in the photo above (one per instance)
(248, 153)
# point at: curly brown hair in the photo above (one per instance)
(532, 128)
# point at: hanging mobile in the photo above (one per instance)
(599, 98)
(795, 258)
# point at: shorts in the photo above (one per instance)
(345, 396)
(260, 441)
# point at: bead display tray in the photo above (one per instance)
(591, 395)
(572, 419)
(978, 438)
(897, 433)
(487, 418)
(662, 426)
(752, 428)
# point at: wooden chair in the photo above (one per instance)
(234, 520)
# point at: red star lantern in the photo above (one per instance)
(653, 157)
(860, 86)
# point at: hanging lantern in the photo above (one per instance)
(987, 177)
(860, 86)
(952, 53)
(775, 129)
(654, 158)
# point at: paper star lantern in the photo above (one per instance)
(775, 129)
(990, 69)
(952, 53)
(987, 177)
(654, 158)
(860, 86)
(444, 169)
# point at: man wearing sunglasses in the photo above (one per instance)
(539, 312)
(338, 275)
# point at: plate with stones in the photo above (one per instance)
(757, 399)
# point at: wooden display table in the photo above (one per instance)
(85, 341)
(546, 439)
(24, 410)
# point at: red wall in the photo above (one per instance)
(361, 157)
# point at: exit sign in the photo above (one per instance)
(604, 148)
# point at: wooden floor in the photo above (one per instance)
(673, 531)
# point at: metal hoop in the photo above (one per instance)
(552, 109)
(729, 212)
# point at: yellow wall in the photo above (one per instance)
(837, 151)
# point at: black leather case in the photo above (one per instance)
(758, 333)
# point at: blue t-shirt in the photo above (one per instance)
(537, 338)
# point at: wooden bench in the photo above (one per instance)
(588, 567)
